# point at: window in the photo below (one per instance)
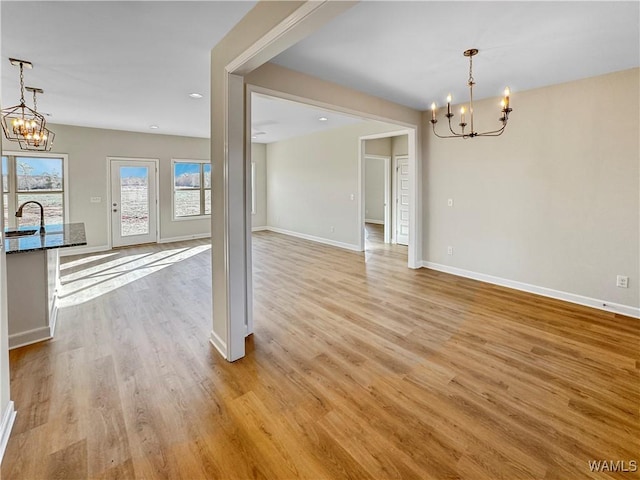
(40, 178)
(191, 188)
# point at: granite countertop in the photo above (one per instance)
(55, 236)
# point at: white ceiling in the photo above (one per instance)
(411, 52)
(275, 119)
(128, 65)
(120, 65)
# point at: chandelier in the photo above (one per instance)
(38, 140)
(504, 110)
(23, 124)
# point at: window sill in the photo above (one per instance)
(192, 217)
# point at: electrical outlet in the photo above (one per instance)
(450, 202)
(96, 199)
(622, 281)
(332, 229)
(352, 196)
(449, 250)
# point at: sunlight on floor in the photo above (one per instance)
(82, 285)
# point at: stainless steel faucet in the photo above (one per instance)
(19, 213)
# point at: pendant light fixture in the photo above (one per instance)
(39, 140)
(505, 109)
(22, 124)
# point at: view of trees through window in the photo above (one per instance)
(191, 188)
(37, 179)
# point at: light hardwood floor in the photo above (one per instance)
(360, 368)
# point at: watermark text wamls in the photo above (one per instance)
(613, 465)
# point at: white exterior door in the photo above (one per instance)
(402, 200)
(133, 202)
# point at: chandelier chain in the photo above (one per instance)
(471, 81)
(21, 83)
(35, 106)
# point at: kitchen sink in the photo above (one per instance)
(19, 233)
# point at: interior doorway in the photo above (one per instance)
(133, 201)
(377, 197)
(400, 191)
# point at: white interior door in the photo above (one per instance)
(133, 202)
(402, 200)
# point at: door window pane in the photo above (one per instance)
(134, 201)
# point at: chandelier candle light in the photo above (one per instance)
(25, 125)
(504, 110)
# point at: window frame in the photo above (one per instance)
(202, 189)
(12, 183)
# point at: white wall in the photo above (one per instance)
(7, 412)
(554, 201)
(400, 145)
(312, 179)
(378, 146)
(259, 157)
(88, 149)
(374, 190)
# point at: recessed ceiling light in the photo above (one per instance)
(195, 95)
(323, 119)
(154, 127)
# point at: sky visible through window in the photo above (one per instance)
(39, 166)
(133, 172)
(182, 168)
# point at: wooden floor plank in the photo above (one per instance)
(359, 368)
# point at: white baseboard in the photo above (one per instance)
(30, 336)
(195, 236)
(259, 229)
(377, 222)
(326, 241)
(220, 344)
(66, 252)
(544, 291)
(8, 418)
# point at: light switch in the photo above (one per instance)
(450, 202)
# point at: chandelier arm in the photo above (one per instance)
(494, 133)
(498, 131)
(455, 135)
